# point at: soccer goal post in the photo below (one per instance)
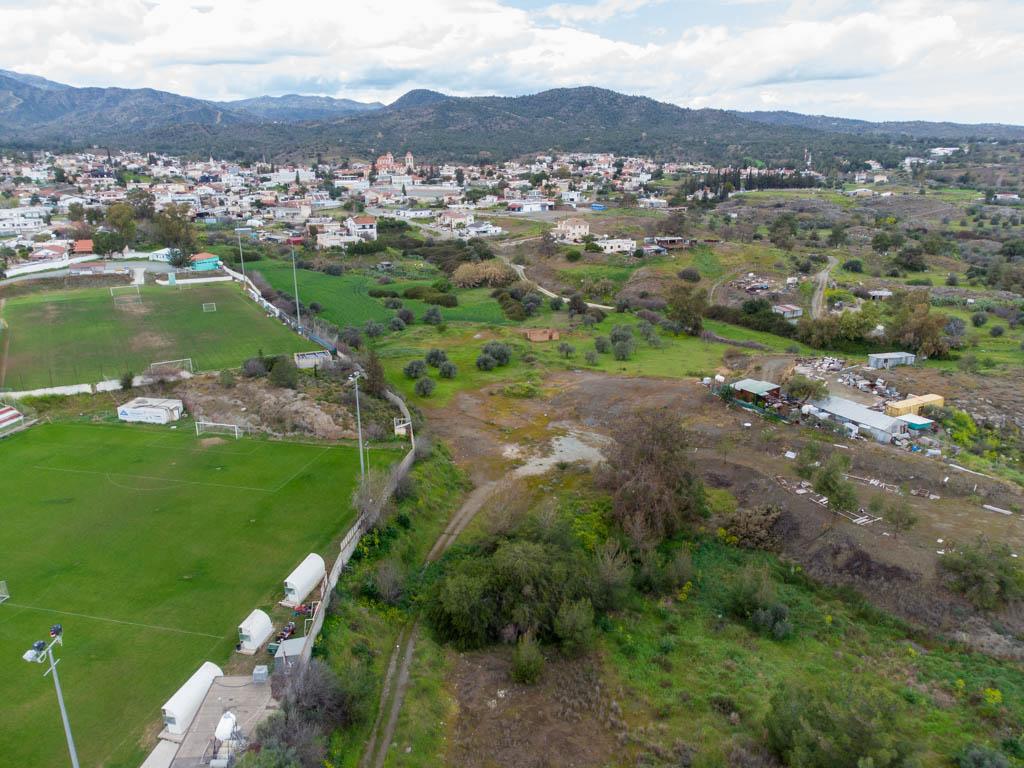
(124, 290)
(4, 594)
(210, 306)
(171, 366)
(218, 428)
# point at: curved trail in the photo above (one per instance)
(520, 271)
(821, 280)
(396, 679)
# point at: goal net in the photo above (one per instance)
(219, 428)
(171, 366)
(210, 307)
(125, 295)
(4, 594)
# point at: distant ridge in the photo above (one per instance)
(39, 113)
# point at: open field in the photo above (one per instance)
(149, 546)
(79, 336)
(346, 300)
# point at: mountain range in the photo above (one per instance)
(40, 113)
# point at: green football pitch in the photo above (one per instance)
(149, 546)
(79, 336)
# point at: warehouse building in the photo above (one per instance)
(890, 359)
(861, 419)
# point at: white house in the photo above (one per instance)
(151, 410)
(303, 579)
(455, 219)
(254, 632)
(616, 245)
(335, 240)
(180, 709)
(529, 206)
(572, 230)
(363, 226)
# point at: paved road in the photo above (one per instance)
(821, 280)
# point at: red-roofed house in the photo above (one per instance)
(83, 247)
(204, 262)
(362, 226)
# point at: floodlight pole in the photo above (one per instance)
(241, 256)
(295, 280)
(48, 654)
(359, 431)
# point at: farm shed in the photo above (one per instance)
(881, 427)
(913, 404)
(890, 359)
(151, 410)
(754, 390)
(541, 334)
(788, 311)
(304, 579)
(288, 654)
(253, 632)
(179, 710)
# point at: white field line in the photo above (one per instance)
(113, 621)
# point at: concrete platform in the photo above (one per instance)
(250, 702)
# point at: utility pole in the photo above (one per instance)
(40, 653)
(241, 256)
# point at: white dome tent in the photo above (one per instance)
(303, 580)
(253, 632)
(183, 705)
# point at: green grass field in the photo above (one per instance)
(149, 547)
(78, 336)
(346, 299)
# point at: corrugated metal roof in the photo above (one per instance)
(754, 386)
(855, 412)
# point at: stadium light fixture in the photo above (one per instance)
(239, 231)
(40, 653)
(295, 280)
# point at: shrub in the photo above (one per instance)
(447, 370)
(501, 352)
(414, 369)
(352, 337)
(254, 367)
(839, 725)
(602, 344)
(406, 316)
(621, 333)
(382, 293)
(690, 275)
(127, 380)
(996, 331)
(527, 661)
(591, 357)
(985, 573)
(493, 273)
(393, 303)
(485, 362)
(432, 316)
(574, 626)
(751, 590)
(623, 350)
(853, 265)
(977, 756)
(425, 386)
(435, 357)
(373, 329)
(396, 324)
(284, 373)
(979, 319)
(566, 350)
(573, 255)
(556, 303)
(334, 270)
(227, 379)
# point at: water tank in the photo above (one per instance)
(226, 727)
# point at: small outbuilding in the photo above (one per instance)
(312, 359)
(304, 579)
(254, 632)
(179, 710)
(151, 410)
(891, 359)
(755, 391)
(288, 654)
(788, 311)
(913, 405)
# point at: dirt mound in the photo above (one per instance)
(263, 408)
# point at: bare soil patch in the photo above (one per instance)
(148, 339)
(208, 442)
(567, 719)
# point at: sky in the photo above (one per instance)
(957, 60)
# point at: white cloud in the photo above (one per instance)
(940, 59)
